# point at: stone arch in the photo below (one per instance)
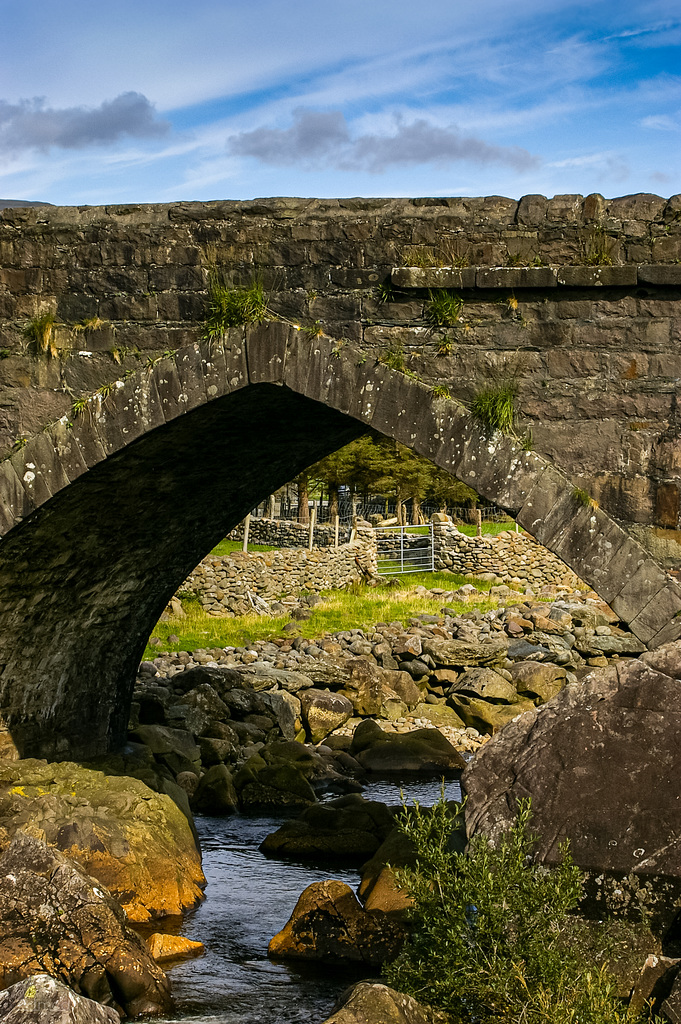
(102, 518)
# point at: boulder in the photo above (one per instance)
(369, 689)
(537, 681)
(56, 919)
(215, 793)
(419, 750)
(485, 717)
(174, 747)
(323, 712)
(171, 948)
(205, 699)
(349, 829)
(40, 998)
(286, 709)
(601, 763)
(136, 842)
(439, 714)
(329, 924)
(488, 685)
(461, 653)
(373, 1003)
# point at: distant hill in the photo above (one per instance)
(22, 202)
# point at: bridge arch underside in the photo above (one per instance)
(104, 518)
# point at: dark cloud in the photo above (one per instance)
(324, 139)
(30, 124)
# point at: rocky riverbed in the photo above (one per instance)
(300, 726)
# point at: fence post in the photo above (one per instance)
(478, 522)
(353, 532)
(247, 526)
(313, 516)
(336, 526)
(401, 529)
(432, 548)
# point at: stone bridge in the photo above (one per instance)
(131, 447)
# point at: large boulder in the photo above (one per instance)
(330, 924)
(323, 712)
(419, 750)
(349, 829)
(488, 685)
(537, 681)
(601, 763)
(56, 919)
(369, 689)
(373, 1003)
(463, 653)
(215, 793)
(40, 998)
(484, 716)
(136, 842)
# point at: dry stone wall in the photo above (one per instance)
(232, 584)
(286, 533)
(508, 557)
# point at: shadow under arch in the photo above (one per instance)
(103, 518)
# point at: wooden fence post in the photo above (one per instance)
(336, 525)
(247, 526)
(478, 522)
(313, 516)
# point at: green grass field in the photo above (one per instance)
(357, 608)
(226, 547)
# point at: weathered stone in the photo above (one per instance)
(485, 717)
(323, 712)
(349, 829)
(215, 793)
(171, 948)
(536, 681)
(55, 919)
(588, 743)
(135, 842)
(329, 924)
(373, 1003)
(43, 998)
(488, 685)
(419, 750)
(438, 714)
(460, 653)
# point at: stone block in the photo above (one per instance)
(638, 591)
(433, 277)
(516, 277)
(532, 210)
(667, 635)
(660, 612)
(266, 352)
(550, 488)
(224, 364)
(357, 278)
(189, 365)
(593, 277)
(660, 273)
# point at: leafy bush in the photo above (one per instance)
(233, 307)
(443, 308)
(491, 929)
(494, 406)
(581, 496)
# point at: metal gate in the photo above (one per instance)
(403, 549)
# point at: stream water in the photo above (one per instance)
(248, 899)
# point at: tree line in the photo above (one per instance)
(377, 466)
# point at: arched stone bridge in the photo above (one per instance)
(102, 518)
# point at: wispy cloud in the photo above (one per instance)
(325, 138)
(31, 124)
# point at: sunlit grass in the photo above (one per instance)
(360, 607)
(226, 547)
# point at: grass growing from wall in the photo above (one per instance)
(495, 406)
(40, 331)
(356, 608)
(443, 308)
(233, 307)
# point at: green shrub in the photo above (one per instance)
(494, 406)
(490, 939)
(233, 307)
(443, 308)
(582, 497)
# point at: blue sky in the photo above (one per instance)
(154, 101)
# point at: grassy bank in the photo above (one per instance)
(356, 608)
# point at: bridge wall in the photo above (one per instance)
(597, 364)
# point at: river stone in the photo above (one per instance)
(171, 948)
(601, 762)
(135, 842)
(373, 1003)
(419, 750)
(438, 714)
(485, 717)
(56, 919)
(215, 793)
(369, 689)
(323, 712)
(537, 681)
(286, 709)
(349, 829)
(205, 698)
(461, 653)
(488, 685)
(329, 924)
(40, 999)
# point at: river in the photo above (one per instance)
(248, 898)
